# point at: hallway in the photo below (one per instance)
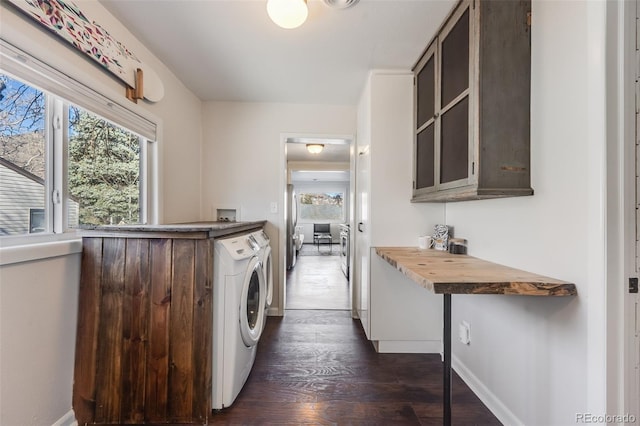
(316, 281)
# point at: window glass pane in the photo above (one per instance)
(322, 206)
(22, 157)
(104, 172)
(36, 220)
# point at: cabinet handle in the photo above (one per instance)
(360, 227)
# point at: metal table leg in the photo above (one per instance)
(446, 385)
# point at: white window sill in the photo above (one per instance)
(37, 247)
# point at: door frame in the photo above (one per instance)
(282, 249)
(630, 12)
(622, 376)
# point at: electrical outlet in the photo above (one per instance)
(464, 333)
(274, 207)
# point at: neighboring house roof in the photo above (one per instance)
(37, 179)
(20, 170)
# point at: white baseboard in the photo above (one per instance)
(273, 312)
(69, 419)
(408, 346)
(487, 397)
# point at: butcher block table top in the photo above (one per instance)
(445, 273)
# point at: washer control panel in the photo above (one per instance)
(240, 247)
(261, 237)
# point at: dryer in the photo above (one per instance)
(239, 296)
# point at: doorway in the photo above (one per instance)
(318, 188)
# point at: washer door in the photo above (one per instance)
(268, 275)
(252, 303)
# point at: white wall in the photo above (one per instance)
(244, 161)
(39, 299)
(38, 311)
(539, 361)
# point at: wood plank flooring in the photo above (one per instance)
(317, 282)
(316, 367)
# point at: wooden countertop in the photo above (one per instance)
(445, 273)
(179, 230)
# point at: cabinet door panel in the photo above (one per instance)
(455, 60)
(454, 151)
(426, 93)
(425, 158)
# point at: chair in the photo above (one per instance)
(322, 231)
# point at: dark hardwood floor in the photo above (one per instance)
(316, 367)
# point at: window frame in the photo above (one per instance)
(19, 65)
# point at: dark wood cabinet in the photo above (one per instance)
(143, 350)
(472, 105)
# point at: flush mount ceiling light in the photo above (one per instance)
(315, 148)
(340, 4)
(287, 14)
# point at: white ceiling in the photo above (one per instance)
(334, 151)
(229, 50)
(330, 153)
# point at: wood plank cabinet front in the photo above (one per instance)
(472, 105)
(143, 349)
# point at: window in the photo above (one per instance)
(23, 149)
(104, 172)
(62, 165)
(36, 220)
(315, 206)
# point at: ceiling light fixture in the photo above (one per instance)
(340, 4)
(288, 14)
(315, 148)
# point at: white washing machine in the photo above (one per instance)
(239, 296)
(267, 266)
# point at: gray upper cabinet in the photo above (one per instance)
(472, 105)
